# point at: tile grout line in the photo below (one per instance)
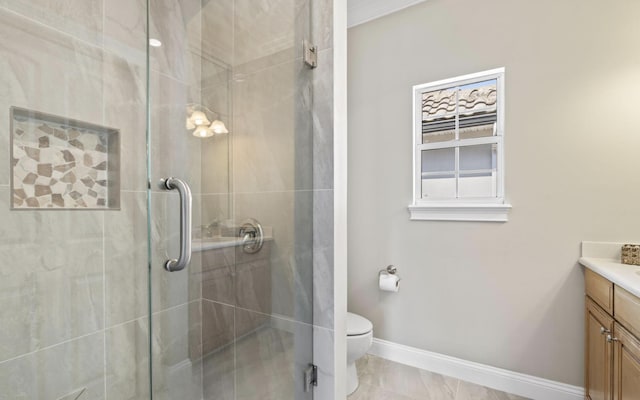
(104, 225)
(104, 300)
(277, 191)
(231, 185)
(86, 335)
(72, 36)
(201, 302)
(53, 28)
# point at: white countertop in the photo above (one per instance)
(604, 259)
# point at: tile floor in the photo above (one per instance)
(259, 366)
(381, 379)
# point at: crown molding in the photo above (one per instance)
(361, 11)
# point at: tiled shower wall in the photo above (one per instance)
(76, 291)
(74, 294)
(280, 173)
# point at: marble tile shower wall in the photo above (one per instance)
(280, 174)
(276, 147)
(58, 290)
(76, 294)
(75, 319)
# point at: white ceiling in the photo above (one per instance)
(361, 11)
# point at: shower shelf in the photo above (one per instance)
(61, 163)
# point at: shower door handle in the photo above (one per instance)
(185, 224)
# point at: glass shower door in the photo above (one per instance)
(230, 116)
(101, 101)
(174, 83)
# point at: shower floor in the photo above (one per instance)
(259, 367)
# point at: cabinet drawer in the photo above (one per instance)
(627, 310)
(599, 289)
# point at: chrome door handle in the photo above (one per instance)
(185, 224)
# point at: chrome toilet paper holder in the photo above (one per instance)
(390, 270)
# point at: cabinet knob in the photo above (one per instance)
(604, 330)
(611, 339)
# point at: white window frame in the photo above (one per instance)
(459, 209)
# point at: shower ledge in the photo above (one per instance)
(219, 242)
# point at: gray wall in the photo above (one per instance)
(504, 294)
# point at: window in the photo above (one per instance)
(459, 149)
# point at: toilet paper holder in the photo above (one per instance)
(390, 270)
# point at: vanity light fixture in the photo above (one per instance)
(198, 118)
(203, 132)
(218, 127)
(198, 122)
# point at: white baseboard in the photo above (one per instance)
(496, 378)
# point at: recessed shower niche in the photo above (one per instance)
(60, 163)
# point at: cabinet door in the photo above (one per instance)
(597, 352)
(626, 365)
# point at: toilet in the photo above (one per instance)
(359, 339)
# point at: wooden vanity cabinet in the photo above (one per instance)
(612, 351)
(626, 365)
(597, 352)
(600, 290)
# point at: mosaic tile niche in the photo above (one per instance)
(58, 163)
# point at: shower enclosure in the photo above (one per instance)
(139, 132)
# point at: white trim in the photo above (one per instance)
(461, 80)
(459, 209)
(460, 212)
(496, 378)
(361, 11)
(500, 125)
(460, 143)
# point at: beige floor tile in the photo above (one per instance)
(405, 380)
(382, 379)
(470, 391)
(368, 392)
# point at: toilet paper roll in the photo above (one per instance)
(389, 282)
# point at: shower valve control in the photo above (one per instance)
(252, 236)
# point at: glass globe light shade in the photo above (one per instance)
(199, 118)
(203, 132)
(218, 127)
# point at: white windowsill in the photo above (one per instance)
(460, 212)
